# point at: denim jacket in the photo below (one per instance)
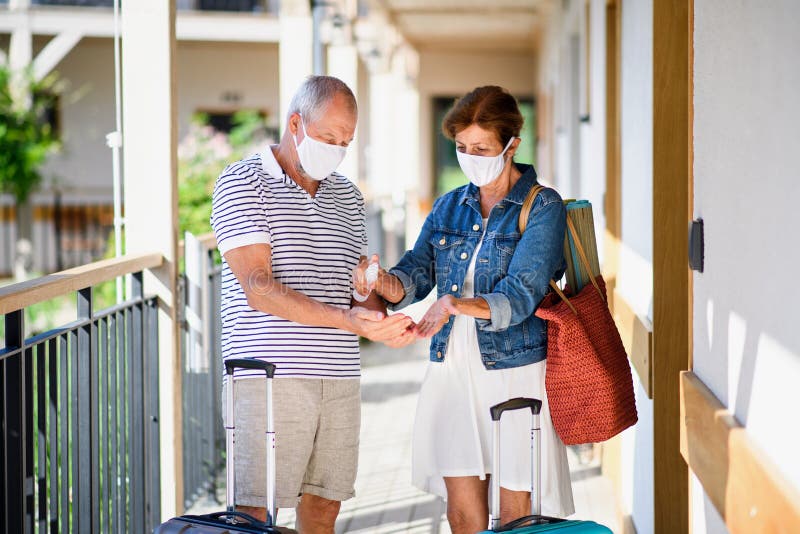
(512, 271)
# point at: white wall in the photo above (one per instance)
(205, 71)
(635, 277)
(593, 133)
(86, 116)
(746, 141)
(556, 79)
(579, 166)
(455, 74)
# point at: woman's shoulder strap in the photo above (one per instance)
(527, 205)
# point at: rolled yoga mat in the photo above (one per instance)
(580, 213)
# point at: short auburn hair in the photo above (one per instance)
(490, 107)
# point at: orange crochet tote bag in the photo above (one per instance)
(588, 377)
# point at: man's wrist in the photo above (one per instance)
(358, 297)
(339, 318)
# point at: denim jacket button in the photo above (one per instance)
(454, 288)
(476, 227)
(442, 241)
(439, 355)
(463, 255)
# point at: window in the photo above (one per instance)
(49, 111)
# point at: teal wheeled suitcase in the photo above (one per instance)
(535, 522)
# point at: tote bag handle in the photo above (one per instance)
(524, 213)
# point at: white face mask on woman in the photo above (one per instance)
(317, 158)
(483, 170)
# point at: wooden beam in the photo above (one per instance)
(613, 195)
(190, 25)
(23, 294)
(53, 52)
(228, 27)
(745, 487)
(208, 240)
(637, 336)
(672, 289)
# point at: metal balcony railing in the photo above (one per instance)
(201, 364)
(79, 441)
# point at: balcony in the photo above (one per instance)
(80, 414)
(253, 6)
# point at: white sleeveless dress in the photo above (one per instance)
(452, 430)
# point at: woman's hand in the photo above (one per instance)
(437, 315)
(364, 278)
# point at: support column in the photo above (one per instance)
(294, 56)
(151, 204)
(394, 141)
(20, 56)
(672, 279)
(343, 63)
(406, 72)
(20, 49)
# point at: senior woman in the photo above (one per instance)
(487, 346)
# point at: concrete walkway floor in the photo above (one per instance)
(385, 500)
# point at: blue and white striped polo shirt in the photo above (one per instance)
(316, 242)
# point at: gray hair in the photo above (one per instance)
(315, 93)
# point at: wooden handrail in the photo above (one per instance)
(208, 240)
(23, 294)
(747, 489)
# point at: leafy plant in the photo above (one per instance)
(203, 154)
(26, 138)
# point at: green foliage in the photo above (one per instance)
(203, 154)
(43, 316)
(26, 139)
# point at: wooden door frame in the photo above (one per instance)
(613, 195)
(672, 279)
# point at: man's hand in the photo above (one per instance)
(436, 316)
(375, 325)
(404, 339)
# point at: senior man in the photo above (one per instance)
(290, 230)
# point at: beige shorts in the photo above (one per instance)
(317, 423)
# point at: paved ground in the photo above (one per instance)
(385, 501)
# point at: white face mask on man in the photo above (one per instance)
(318, 159)
(483, 170)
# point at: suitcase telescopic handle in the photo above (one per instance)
(249, 363)
(269, 369)
(518, 403)
(496, 411)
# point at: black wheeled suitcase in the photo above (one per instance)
(230, 521)
(534, 523)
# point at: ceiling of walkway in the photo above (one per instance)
(499, 25)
